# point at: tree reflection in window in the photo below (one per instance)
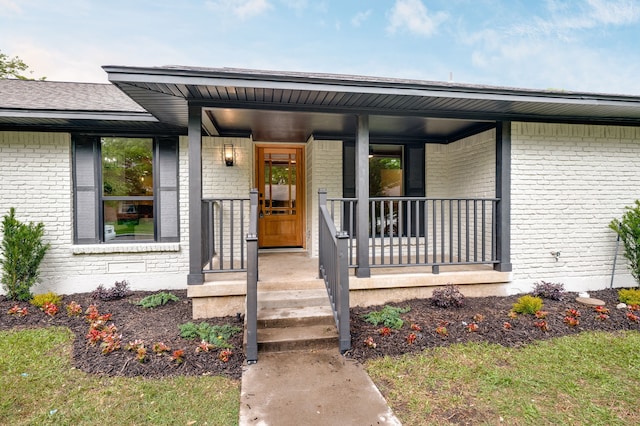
(127, 167)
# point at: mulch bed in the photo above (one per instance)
(161, 325)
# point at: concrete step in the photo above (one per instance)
(297, 338)
(295, 317)
(292, 298)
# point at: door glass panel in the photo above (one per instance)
(280, 184)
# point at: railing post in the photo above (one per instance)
(251, 317)
(343, 288)
(322, 202)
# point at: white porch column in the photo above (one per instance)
(195, 195)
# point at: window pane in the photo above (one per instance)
(127, 166)
(128, 220)
(385, 171)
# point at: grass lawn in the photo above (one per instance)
(591, 378)
(39, 386)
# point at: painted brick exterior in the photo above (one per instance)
(324, 170)
(35, 171)
(568, 183)
(465, 169)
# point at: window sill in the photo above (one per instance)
(124, 248)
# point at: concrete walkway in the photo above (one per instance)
(319, 387)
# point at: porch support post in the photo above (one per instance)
(503, 192)
(195, 195)
(362, 194)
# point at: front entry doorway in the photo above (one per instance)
(280, 183)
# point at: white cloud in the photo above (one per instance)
(413, 16)
(360, 17)
(243, 9)
(9, 7)
(565, 19)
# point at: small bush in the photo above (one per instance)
(553, 291)
(118, 291)
(447, 297)
(217, 335)
(630, 296)
(22, 253)
(39, 300)
(628, 229)
(528, 305)
(388, 316)
(158, 299)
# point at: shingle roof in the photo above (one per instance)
(64, 96)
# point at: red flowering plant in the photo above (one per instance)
(50, 309)
(442, 331)
(632, 317)
(224, 355)
(204, 346)
(416, 327)
(574, 313)
(384, 331)
(601, 310)
(541, 314)
(473, 327)
(159, 348)
(478, 317)
(178, 356)
(507, 326)
(369, 342)
(137, 346)
(17, 310)
(542, 325)
(73, 309)
(571, 321)
(411, 338)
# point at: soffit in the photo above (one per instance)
(291, 106)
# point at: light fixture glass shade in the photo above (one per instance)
(229, 154)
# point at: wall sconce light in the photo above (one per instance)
(229, 154)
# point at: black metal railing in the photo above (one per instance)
(417, 231)
(251, 312)
(334, 269)
(224, 227)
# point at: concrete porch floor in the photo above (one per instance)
(224, 293)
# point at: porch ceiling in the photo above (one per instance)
(285, 106)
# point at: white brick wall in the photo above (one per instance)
(324, 170)
(568, 183)
(464, 169)
(36, 179)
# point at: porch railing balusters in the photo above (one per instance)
(224, 231)
(417, 231)
(333, 265)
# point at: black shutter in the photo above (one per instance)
(86, 182)
(167, 195)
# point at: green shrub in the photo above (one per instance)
(39, 300)
(388, 316)
(528, 304)
(630, 296)
(158, 299)
(628, 229)
(22, 253)
(217, 335)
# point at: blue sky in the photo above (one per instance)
(577, 45)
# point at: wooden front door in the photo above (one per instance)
(280, 183)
